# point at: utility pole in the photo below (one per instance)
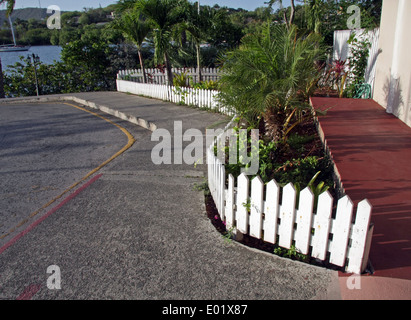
(199, 75)
(2, 95)
(36, 60)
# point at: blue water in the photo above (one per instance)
(47, 55)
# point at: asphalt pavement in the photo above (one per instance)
(132, 229)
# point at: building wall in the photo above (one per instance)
(393, 70)
(342, 51)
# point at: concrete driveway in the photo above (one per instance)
(135, 230)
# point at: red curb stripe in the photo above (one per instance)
(29, 292)
(37, 222)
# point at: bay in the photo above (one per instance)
(47, 55)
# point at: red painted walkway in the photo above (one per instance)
(372, 152)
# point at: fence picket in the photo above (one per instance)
(271, 211)
(303, 220)
(221, 186)
(340, 231)
(241, 203)
(321, 225)
(256, 210)
(229, 208)
(287, 214)
(359, 237)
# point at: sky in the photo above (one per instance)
(78, 5)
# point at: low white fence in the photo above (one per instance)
(250, 207)
(253, 208)
(158, 76)
(193, 97)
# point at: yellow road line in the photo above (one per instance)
(130, 142)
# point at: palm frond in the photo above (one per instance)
(269, 70)
(10, 6)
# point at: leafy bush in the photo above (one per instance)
(207, 85)
(181, 79)
(360, 49)
(84, 67)
(270, 77)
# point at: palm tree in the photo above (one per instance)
(9, 10)
(197, 23)
(164, 15)
(270, 77)
(134, 29)
(315, 15)
(10, 5)
(288, 21)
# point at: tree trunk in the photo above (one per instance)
(285, 17)
(199, 75)
(142, 66)
(272, 125)
(292, 15)
(168, 69)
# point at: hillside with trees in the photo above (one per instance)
(96, 43)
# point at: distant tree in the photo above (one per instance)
(134, 29)
(288, 20)
(85, 66)
(164, 15)
(84, 19)
(197, 22)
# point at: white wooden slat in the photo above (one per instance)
(271, 211)
(287, 215)
(256, 210)
(340, 230)
(303, 219)
(216, 182)
(359, 237)
(242, 215)
(221, 189)
(321, 225)
(229, 207)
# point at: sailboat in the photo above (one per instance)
(13, 47)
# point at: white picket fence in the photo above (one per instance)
(256, 209)
(157, 76)
(193, 97)
(251, 207)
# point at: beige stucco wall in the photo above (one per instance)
(393, 70)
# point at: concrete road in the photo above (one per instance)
(135, 230)
(45, 149)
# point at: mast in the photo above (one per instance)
(12, 31)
